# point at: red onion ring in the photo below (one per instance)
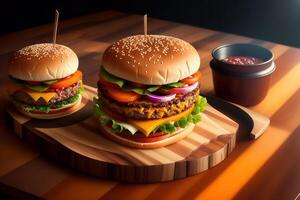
(189, 88)
(169, 97)
(158, 98)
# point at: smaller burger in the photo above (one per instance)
(44, 81)
(148, 91)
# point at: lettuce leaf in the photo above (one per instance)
(172, 85)
(28, 108)
(67, 101)
(182, 122)
(200, 103)
(46, 108)
(153, 88)
(116, 127)
(111, 78)
(38, 88)
(49, 82)
(194, 118)
(142, 91)
(175, 85)
(139, 91)
(104, 119)
(168, 127)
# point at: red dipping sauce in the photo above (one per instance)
(242, 72)
(242, 60)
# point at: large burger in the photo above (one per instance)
(148, 91)
(44, 81)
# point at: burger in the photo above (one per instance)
(44, 81)
(148, 91)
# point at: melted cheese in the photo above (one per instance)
(45, 95)
(147, 126)
(11, 88)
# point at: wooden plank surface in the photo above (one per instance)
(75, 141)
(78, 138)
(268, 168)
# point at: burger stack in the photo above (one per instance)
(148, 91)
(44, 81)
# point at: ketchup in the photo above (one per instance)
(242, 60)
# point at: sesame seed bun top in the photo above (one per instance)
(151, 59)
(42, 62)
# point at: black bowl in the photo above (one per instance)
(243, 84)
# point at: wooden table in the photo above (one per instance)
(268, 168)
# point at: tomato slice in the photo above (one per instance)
(117, 93)
(192, 79)
(121, 95)
(70, 80)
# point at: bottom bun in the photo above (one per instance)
(54, 113)
(176, 136)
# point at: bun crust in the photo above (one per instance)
(177, 136)
(42, 62)
(151, 60)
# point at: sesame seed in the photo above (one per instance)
(139, 47)
(44, 50)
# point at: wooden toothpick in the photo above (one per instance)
(55, 26)
(145, 25)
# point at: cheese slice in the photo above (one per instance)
(147, 126)
(45, 95)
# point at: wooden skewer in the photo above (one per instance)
(145, 25)
(55, 26)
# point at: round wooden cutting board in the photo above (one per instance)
(76, 141)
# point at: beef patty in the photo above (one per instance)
(61, 95)
(143, 109)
